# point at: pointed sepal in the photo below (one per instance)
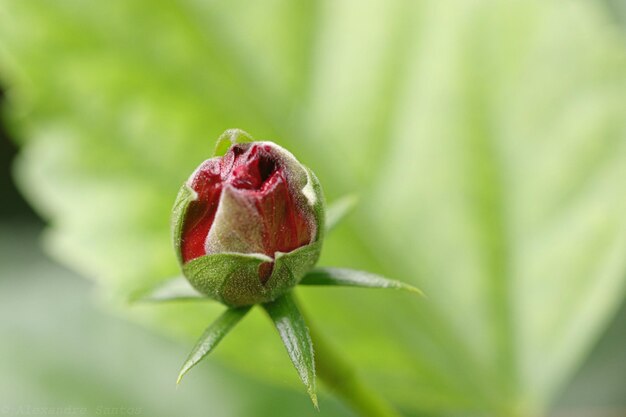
(338, 209)
(354, 278)
(185, 196)
(174, 289)
(295, 335)
(212, 336)
(229, 138)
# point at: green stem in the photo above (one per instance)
(343, 381)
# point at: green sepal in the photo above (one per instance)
(231, 278)
(212, 336)
(185, 196)
(289, 268)
(319, 207)
(295, 335)
(353, 278)
(229, 138)
(174, 289)
(338, 209)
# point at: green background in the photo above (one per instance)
(485, 139)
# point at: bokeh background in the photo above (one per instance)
(485, 139)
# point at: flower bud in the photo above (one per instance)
(248, 224)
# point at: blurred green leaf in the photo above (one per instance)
(486, 140)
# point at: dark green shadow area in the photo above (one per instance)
(599, 387)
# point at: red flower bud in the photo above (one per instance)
(256, 199)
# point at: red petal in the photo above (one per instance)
(265, 271)
(285, 226)
(201, 212)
